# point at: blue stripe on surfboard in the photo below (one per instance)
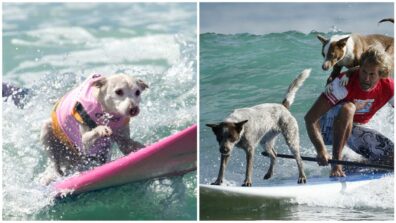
(319, 180)
(328, 180)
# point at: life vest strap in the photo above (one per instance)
(82, 116)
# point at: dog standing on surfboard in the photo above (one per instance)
(246, 128)
(87, 120)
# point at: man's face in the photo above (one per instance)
(368, 76)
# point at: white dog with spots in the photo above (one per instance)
(261, 124)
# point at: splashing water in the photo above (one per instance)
(374, 195)
(53, 56)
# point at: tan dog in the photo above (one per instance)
(346, 50)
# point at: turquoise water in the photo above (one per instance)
(243, 70)
(50, 48)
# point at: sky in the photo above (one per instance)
(264, 18)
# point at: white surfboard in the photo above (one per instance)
(288, 189)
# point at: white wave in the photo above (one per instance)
(109, 51)
(56, 35)
(80, 6)
(383, 121)
(376, 194)
(13, 12)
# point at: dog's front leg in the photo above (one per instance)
(128, 145)
(89, 137)
(223, 165)
(336, 71)
(249, 167)
(125, 143)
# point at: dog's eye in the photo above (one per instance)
(232, 138)
(119, 92)
(137, 93)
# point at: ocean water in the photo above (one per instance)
(243, 70)
(51, 48)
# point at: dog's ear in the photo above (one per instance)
(388, 48)
(239, 125)
(216, 128)
(342, 42)
(142, 84)
(213, 126)
(100, 82)
(323, 39)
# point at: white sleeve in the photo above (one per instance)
(337, 93)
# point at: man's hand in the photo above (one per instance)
(323, 158)
(344, 81)
(328, 89)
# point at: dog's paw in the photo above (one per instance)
(247, 184)
(267, 176)
(217, 182)
(344, 81)
(329, 80)
(103, 131)
(302, 180)
(45, 181)
(48, 176)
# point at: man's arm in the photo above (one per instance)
(334, 94)
(318, 109)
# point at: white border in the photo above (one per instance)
(198, 109)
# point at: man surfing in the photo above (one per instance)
(338, 116)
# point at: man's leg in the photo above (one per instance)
(342, 130)
(372, 145)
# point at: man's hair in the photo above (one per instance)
(377, 56)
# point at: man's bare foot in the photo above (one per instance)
(336, 171)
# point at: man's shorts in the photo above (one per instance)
(365, 141)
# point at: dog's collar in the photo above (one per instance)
(82, 116)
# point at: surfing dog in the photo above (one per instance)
(261, 124)
(346, 50)
(87, 120)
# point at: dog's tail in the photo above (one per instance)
(387, 20)
(294, 86)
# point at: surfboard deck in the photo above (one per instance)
(288, 189)
(173, 155)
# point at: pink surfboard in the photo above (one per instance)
(173, 155)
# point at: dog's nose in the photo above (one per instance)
(327, 65)
(134, 111)
(224, 150)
